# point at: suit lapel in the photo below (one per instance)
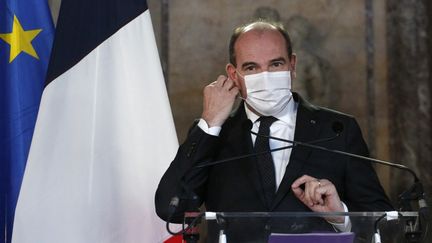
(307, 129)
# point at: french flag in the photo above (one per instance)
(104, 133)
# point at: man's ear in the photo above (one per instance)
(231, 72)
(293, 65)
(236, 78)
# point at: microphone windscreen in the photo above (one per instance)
(337, 127)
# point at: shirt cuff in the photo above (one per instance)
(346, 225)
(214, 131)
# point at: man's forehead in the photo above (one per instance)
(258, 32)
(254, 36)
(260, 42)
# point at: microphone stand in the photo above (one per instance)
(191, 233)
(192, 219)
(413, 228)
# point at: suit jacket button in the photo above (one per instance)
(191, 150)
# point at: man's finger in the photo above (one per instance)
(301, 180)
(229, 84)
(318, 196)
(234, 90)
(220, 81)
(299, 193)
(308, 193)
(311, 189)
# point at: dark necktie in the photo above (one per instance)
(265, 161)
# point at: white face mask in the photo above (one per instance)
(268, 92)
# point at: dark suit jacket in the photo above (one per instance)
(235, 186)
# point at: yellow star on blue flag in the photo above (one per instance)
(26, 35)
(20, 40)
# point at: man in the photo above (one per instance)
(261, 67)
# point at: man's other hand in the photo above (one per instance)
(319, 195)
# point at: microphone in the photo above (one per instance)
(336, 126)
(203, 165)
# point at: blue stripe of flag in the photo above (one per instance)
(21, 86)
(80, 32)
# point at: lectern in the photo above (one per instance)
(260, 227)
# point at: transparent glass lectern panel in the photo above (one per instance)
(251, 227)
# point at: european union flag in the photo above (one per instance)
(26, 34)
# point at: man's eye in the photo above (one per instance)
(277, 64)
(250, 68)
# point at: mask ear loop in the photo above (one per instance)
(239, 94)
(242, 76)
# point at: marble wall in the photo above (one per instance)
(372, 61)
(409, 88)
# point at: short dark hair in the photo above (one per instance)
(260, 24)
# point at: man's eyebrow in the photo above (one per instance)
(248, 64)
(278, 60)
